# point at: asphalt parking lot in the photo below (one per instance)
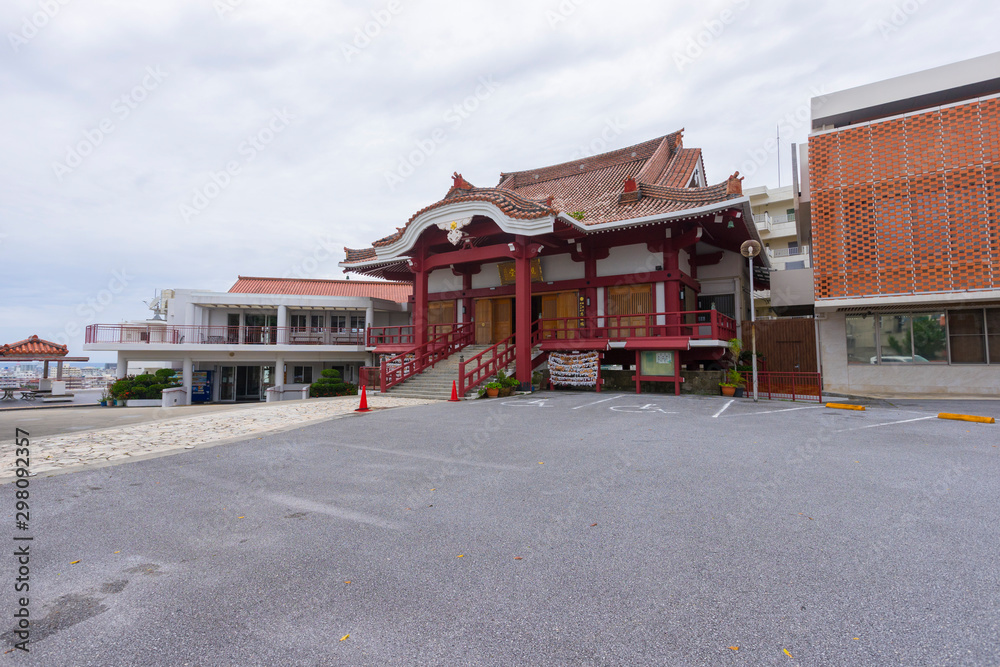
(564, 527)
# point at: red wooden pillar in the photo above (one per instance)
(522, 311)
(467, 314)
(590, 293)
(672, 288)
(419, 302)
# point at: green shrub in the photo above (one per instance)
(330, 384)
(165, 373)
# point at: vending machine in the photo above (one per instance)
(201, 386)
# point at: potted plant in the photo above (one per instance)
(733, 386)
(492, 389)
(105, 397)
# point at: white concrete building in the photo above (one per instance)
(266, 338)
(774, 216)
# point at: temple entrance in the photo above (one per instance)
(494, 320)
(552, 309)
(439, 312)
(629, 300)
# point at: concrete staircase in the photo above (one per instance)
(435, 383)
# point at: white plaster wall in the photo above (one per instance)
(841, 377)
(732, 265)
(561, 267)
(218, 316)
(629, 259)
(443, 280)
(718, 286)
(488, 276)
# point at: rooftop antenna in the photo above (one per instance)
(156, 305)
(777, 135)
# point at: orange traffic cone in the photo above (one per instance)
(454, 391)
(364, 401)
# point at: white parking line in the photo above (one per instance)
(768, 412)
(603, 400)
(723, 408)
(902, 421)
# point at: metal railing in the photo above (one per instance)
(222, 335)
(789, 386)
(788, 252)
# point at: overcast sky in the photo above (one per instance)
(178, 144)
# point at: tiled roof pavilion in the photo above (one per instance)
(32, 347)
(656, 177)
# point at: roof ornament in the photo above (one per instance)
(734, 185)
(454, 228)
(460, 183)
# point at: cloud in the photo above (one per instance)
(561, 81)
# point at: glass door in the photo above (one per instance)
(227, 384)
(266, 380)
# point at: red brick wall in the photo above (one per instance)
(908, 205)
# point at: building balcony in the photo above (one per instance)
(676, 330)
(167, 335)
(788, 252)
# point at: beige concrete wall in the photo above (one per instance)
(844, 378)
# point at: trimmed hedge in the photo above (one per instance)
(144, 386)
(330, 384)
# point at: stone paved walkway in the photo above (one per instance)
(151, 438)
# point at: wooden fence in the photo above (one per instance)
(787, 344)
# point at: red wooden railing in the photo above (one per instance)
(418, 359)
(370, 376)
(403, 334)
(714, 326)
(490, 361)
(222, 335)
(793, 386)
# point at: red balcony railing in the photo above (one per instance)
(222, 335)
(416, 360)
(403, 334)
(696, 324)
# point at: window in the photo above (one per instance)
(357, 322)
(791, 214)
(317, 322)
(302, 375)
(929, 338)
(993, 334)
(298, 322)
(795, 265)
(966, 335)
(338, 321)
(861, 339)
(923, 338)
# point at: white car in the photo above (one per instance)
(886, 359)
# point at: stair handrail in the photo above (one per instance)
(425, 355)
(485, 369)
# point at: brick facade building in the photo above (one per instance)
(903, 179)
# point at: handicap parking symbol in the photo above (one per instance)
(648, 408)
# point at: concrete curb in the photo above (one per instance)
(966, 418)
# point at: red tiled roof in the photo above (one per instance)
(32, 346)
(398, 292)
(661, 167)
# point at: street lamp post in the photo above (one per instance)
(751, 249)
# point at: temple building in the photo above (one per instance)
(630, 254)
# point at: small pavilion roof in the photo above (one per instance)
(33, 347)
(658, 176)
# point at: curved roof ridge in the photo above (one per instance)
(641, 151)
